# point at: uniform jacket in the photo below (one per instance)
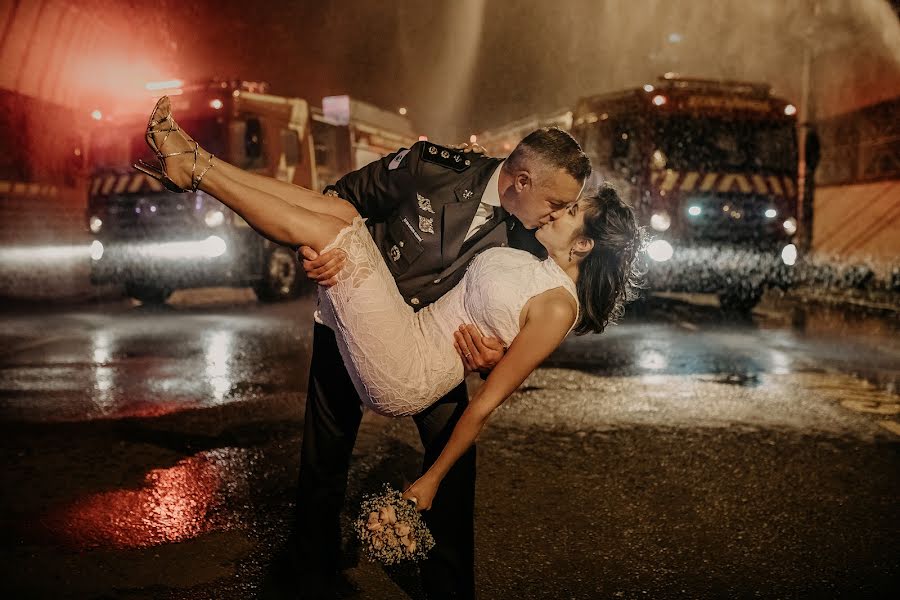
(419, 204)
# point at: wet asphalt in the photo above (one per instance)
(685, 453)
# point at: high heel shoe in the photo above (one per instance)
(160, 174)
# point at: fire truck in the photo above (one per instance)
(711, 168)
(154, 242)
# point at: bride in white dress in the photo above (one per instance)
(401, 361)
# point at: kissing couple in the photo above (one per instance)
(433, 263)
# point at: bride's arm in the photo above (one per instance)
(548, 321)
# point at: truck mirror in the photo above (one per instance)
(291, 145)
(253, 138)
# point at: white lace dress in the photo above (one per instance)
(402, 361)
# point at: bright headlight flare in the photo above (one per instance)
(695, 211)
(790, 110)
(660, 250)
(96, 223)
(96, 250)
(771, 213)
(659, 100)
(214, 246)
(214, 218)
(790, 226)
(211, 247)
(789, 255)
(660, 221)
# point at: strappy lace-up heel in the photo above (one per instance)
(157, 125)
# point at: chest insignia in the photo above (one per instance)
(467, 194)
(395, 253)
(426, 225)
(424, 204)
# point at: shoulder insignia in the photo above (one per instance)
(398, 159)
(446, 157)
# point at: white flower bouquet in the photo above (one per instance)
(390, 530)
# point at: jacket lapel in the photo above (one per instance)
(457, 216)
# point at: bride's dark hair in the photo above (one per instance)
(610, 275)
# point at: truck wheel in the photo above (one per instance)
(148, 294)
(282, 276)
(740, 301)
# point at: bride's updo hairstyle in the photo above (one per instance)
(610, 275)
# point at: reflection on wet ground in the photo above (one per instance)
(140, 440)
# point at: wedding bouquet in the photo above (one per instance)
(390, 530)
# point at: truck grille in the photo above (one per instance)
(738, 218)
(156, 216)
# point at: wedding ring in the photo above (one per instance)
(414, 500)
(468, 355)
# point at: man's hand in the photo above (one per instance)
(323, 269)
(466, 148)
(478, 353)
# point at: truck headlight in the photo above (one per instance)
(771, 213)
(214, 217)
(790, 226)
(96, 224)
(789, 255)
(660, 250)
(660, 221)
(96, 250)
(214, 246)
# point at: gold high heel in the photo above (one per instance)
(160, 173)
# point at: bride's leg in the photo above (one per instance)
(290, 193)
(272, 216)
(307, 219)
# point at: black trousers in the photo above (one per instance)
(333, 415)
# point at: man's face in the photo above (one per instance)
(542, 199)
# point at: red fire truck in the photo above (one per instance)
(154, 242)
(711, 169)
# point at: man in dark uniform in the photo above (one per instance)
(430, 209)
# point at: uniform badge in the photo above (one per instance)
(426, 225)
(432, 150)
(395, 253)
(424, 203)
(445, 154)
(395, 163)
(467, 194)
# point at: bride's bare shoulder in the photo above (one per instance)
(556, 308)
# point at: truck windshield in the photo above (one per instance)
(691, 143)
(119, 147)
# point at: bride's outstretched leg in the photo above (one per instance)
(272, 216)
(290, 193)
(306, 219)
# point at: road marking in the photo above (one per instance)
(688, 325)
(872, 406)
(892, 426)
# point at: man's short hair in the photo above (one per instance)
(553, 147)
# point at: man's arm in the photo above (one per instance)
(375, 190)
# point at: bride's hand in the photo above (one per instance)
(422, 492)
(323, 269)
(479, 353)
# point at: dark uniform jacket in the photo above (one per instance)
(419, 204)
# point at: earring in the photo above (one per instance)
(571, 253)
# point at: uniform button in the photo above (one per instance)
(414, 301)
(438, 280)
